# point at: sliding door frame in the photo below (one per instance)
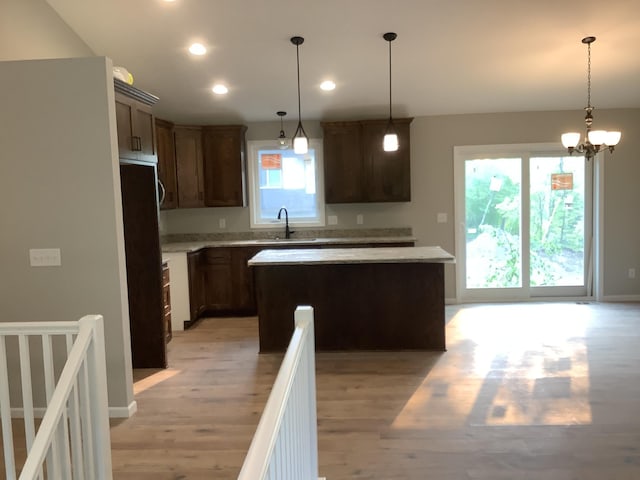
(594, 242)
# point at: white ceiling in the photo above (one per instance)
(451, 56)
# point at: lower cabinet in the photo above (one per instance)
(166, 299)
(221, 282)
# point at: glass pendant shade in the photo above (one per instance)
(283, 143)
(596, 137)
(570, 140)
(300, 145)
(612, 138)
(390, 142)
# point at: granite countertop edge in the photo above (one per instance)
(177, 247)
(433, 254)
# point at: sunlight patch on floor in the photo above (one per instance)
(154, 379)
(505, 371)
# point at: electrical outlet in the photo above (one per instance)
(45, 257)
(332, 219)
(632, 273)
(359, 219)
(222, 223)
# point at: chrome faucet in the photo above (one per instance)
(287, 232)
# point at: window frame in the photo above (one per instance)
(253, 147)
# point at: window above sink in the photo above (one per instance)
(280, 177)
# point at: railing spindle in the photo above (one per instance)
(5, 412)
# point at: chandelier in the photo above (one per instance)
(594, 140)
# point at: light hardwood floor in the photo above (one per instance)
(525, 391)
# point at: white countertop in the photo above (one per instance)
(352, 255)
(267, 242)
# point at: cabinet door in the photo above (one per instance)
(388, 175)
(144, 132)
(343, 167)
(124, 121)
(167, 164)
(188, 147)
(242, 279)
(224, 166)
(196, 284)
(217, 279)
(135, 128)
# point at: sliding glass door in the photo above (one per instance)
(525, 225)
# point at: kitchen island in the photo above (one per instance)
(363, 298)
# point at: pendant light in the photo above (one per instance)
(283, 143)
(300, 139)
(390, 141)
(594, 140)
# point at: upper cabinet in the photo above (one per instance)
(189, 166)
(357, 169)
(224, 166)
(135, 122)
(202, 166)
(166, 164)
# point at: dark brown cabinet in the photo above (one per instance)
(224, 166)
(135, 123)
(217, 279)
(221, 281)
(166, 300)
(357, 169)
(166, 164)
(189, 166)
(197, 285)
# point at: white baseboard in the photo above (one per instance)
(450, 301)
(621, 298)
(123, 412)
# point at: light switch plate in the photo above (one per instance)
(359, 219)
(222, 223)
(332, 219)
(442, 218)
(45, 257)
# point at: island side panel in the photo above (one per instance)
(366, 306)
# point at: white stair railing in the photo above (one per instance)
(73, 440)
(285, 445)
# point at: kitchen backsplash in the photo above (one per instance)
(254, 235)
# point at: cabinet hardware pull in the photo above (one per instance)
(137, 143)
(163, 192)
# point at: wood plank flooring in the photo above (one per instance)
(545, 391)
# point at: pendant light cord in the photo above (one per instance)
(389, 80)
(298, 67)
(589, 75)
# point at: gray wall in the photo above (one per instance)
(31, 29)
(432, 142)
(60, 188)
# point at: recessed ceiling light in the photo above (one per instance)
(327, 85)
(197, 49)
(219, 89)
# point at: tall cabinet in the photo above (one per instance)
(138, 180)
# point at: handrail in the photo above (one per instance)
(73, 439)
(285, 445)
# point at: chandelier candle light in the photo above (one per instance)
(594, 140)
(390, 141)
(300, 139)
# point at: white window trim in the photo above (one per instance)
(253, 146)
